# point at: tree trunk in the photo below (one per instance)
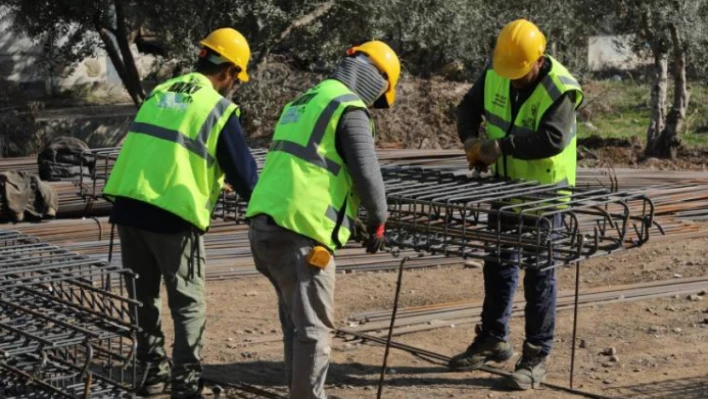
(670, 139)
(117, 61)
(128, 60)
(658, 103)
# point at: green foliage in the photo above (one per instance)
(622, 110)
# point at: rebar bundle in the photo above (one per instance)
(522, 223)
(67, 323)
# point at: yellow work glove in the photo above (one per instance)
(481, 154)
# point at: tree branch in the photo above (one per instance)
(308, 18)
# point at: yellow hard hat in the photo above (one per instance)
(231, 45)
(519, 45)
(385, 60)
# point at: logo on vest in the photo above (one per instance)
(530, 121)
(292, 115)
(499, 100)
(175, 101)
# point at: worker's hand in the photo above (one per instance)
(471, 150)
(376, 241)
(483, 153)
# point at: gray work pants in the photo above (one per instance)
(305, 303)
(176, 259)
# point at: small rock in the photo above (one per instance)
(677, 275)
(670, 308)
(654, 329)
(583, 344)
(452, 326)
(371, 297)
(607, 365)
(676, 330)
(690, 263)
(703, 293)
(247, 355)
(610, 351)
(637, 370)
(607, 382)
(239, 331)
(251, 293)
(230, 339)
(353, 324)
(705, 321)
(412, 291)
(676, 296)
(614, 359)
(368, 388)
(274, 331)
(391, 371)
(248, 331)
(472, 264)
(695, 298)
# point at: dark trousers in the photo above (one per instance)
(540, 291)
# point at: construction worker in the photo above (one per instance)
(322, 164)
(164, 185)
(528, 101)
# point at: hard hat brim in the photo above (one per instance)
(390, 97)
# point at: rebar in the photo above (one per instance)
(68, 323)
(521, 223)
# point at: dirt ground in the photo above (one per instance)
(662, 344)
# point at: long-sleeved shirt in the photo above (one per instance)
(551, 137)
(234, 158)
(355, 141)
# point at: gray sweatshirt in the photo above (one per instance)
(355, 142)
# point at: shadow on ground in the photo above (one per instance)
(271, 374)
(684, 388)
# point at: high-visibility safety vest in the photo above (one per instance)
(168, 158)
(305, 185)
(559, 169)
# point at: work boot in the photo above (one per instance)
(483, 349)
(154, 377)
(530, 370)
(187, 382)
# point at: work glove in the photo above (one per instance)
(481, 154)
(375, 240)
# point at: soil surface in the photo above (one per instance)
(661, 344)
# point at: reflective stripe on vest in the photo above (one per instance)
(305, 185)
(168, 157)
(308, 152)
(497, 105)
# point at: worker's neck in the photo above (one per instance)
(215, 81)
